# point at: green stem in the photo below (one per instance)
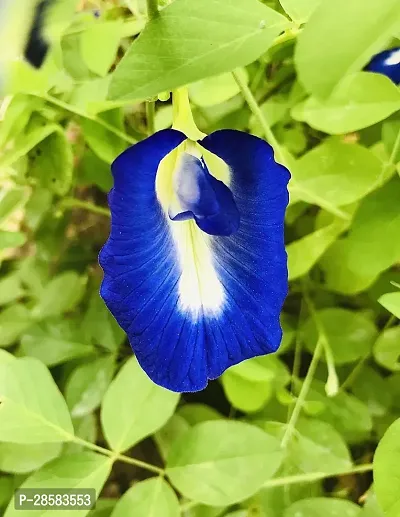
(395, 150)
(152, 8)
(116, 456)
(255, 108)
(347, 383)
(303, 393)
(182, 115)
(71, 202)
(316, 476)
(150, 114)
(94, 118)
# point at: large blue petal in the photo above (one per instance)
(252, 263)
(188, 320)
(386, 63)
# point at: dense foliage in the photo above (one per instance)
(287, 435)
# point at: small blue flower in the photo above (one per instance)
(386, 63)
(195, 269)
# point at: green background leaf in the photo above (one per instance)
(126, 420)
(237, 33)
(338, 40)
(222, 462)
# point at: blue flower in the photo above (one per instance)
(195, 269)
(386, 63)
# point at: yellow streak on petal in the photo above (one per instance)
(217, 167)
(199, 287)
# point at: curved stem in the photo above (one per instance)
(116, 456)
(255, 108)
(316, 476)
(94, 118)
(71, 202)
(182, 115)
(303, 393)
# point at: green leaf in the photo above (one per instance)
(6, 357)
(373, 234)
(128, 419)
(274, 110)
(202, 510)
(299, 10)
(100, 327)
(304, 253)
(90, 96)
(197, 413)
(371, 507)
(391, 302)
(104, 508)
(371, 388)
(174, 429)
(222, 462)
(358, 101)
(105, 144)
(387, 349)
(11, 239)
(99, 45)
(390, 133)
(26, 143)
(153, 497)
(348, 415)
(20, 458)
(54, 342)
(60, 295)
(387, 471)
(78, 471)
(317, 445)
(32, 408)
(7, 490)
(273, 501)
(85, 428)
(236, 34)
(14, 320)
(338, 172)
(87, 384)
(350, 334)
(94, 171)
(338, 41)
(12, 199)
(217, 89)
(326, 506)
(249, 385)
(51, 162)
(16, 117)
(72, 59)
(37, 206)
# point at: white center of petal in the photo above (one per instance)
(199, 287)
(200, 290)
(394, 58)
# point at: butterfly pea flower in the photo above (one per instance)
(386, 63)
(195, 269)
